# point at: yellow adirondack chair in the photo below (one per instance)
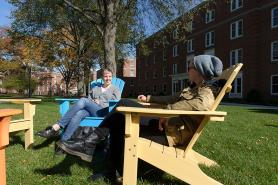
(181, 163)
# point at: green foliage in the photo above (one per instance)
(19, 82)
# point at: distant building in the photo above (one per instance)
(126, 70)
(237, 31)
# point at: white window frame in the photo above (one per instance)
(236, 53)
(237, 5)
(175, 69)
(175, 33)
(272, 51)
(237, 29)
(271, 84)
(235, 84)
(189, 46)
(210, 39)
(210, 16)
(175, 50)
(272, 17)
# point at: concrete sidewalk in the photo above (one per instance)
(250, 106)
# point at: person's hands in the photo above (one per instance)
(142, 98)
(96, 101)
(163, 122)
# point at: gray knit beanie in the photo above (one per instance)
(208, 65)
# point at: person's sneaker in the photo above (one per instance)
(49, 132)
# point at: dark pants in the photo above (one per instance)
(115, 121)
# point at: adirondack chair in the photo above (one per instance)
(179, 162)
(91, 121)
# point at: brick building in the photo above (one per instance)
(127, 71)
(236, 31)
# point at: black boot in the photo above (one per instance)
(84, 143)
(78, 148)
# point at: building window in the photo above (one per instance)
(164, 41)
(274, 84)
(210, 16)
(131, 83)
(175, 50)
(154, 59)
(236, 29)
(164, 55)
(190, 26)
(154, 89)
(146, 75)
(164, 72)
(236, 91)
(274, 51)
(236, 56)
(190, 46)
(175, 69)
(175, 33)
(274, 17)
(155, 74)
(236, 4)
(209, 40)
(164, 87)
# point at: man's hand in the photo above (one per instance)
(163, 122)
(142, 98)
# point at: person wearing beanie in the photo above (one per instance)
(199, 96)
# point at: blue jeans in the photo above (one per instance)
(84, 107)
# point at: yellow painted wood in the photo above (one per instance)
(181, 163)
(130, 151)
(26, 124)
(186, 169)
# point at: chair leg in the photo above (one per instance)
(130, 151)
(29, 112)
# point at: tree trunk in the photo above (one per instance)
(109, 37)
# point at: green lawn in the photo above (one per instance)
(245, 147)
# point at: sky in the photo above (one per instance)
(5, 10)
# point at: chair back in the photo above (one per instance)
(229, 75)
(115, 81)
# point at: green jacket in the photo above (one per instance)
(180, 129)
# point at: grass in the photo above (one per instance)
(244, 145)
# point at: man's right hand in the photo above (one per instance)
(142, 98)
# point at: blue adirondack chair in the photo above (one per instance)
(91, 121)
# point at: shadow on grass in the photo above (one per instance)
(63, 168)
(269, 125)
(45, 143)
(15, 139)
(265, 111)
(152, 175)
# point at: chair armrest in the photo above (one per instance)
(65, 104)
(150, 112)
(112, 104)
